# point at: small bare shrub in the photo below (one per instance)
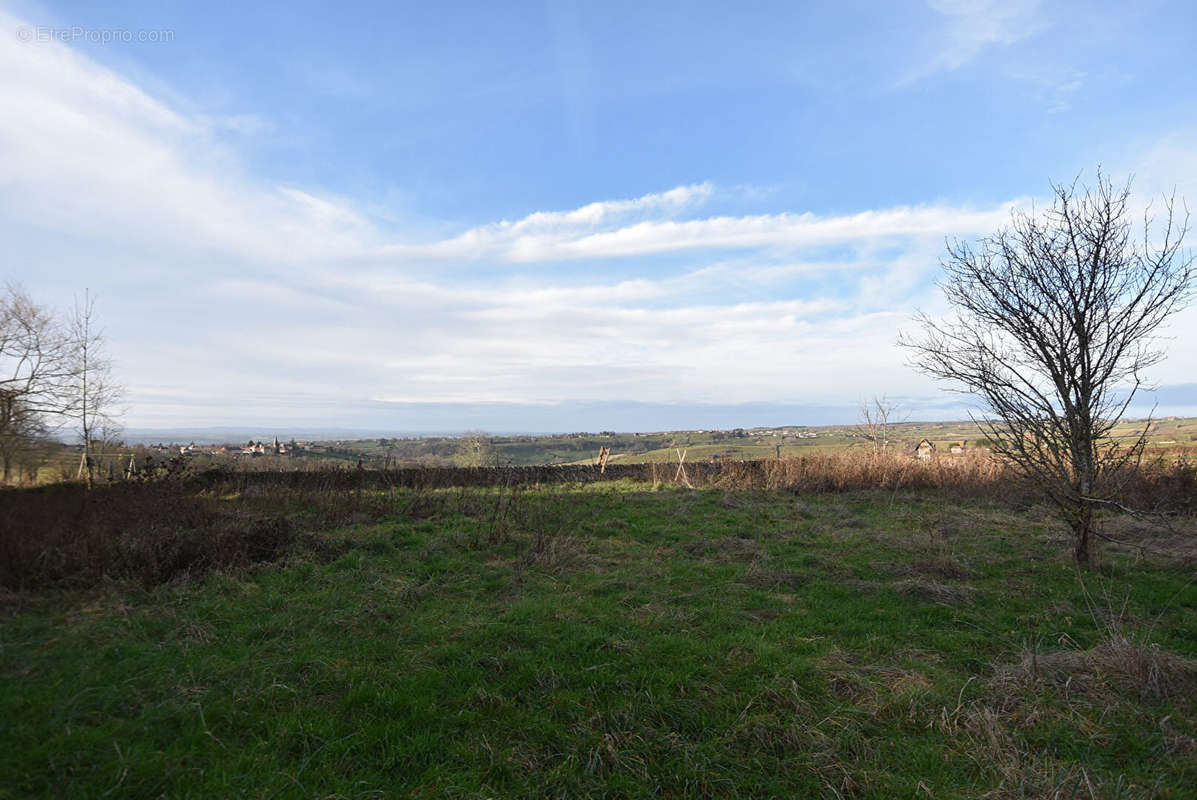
(555, 554)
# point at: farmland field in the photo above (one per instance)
(1170, 437)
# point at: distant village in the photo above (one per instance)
(923, 448)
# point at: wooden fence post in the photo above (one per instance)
(681, 467)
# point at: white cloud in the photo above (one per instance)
(580, 236)
(82, 149)
(970, 27)
(594, 214)
(229, 296)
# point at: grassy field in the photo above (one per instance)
(1171, 435)
(1167, 435)
(749, 451)
(618, 640)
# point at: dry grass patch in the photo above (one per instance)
(1174, 538)
(936, 592)
(761, 577)
(988, 738)
(1115, 675)
(1119, 664)
(556, 555)
(725, 549)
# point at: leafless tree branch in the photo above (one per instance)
(1055, 323)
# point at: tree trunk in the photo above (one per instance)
(1082, 529)
(1085, 464)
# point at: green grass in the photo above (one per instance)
(749, 451)
(616, 641)
(1170, 435)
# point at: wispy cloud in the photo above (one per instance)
(970, 27)
(85, 150)
(608, 211)
(1052, 86)
(583, 233)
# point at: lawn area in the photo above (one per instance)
(620, 640)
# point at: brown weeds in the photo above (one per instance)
(1118, 664)
(150, 533)
(555, 555)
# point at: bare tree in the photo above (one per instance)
(1056, 320)
(876, 420)
(36, 373)
(94, 394)
(477, 450)
(24, 439)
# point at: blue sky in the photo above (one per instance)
(399, 216)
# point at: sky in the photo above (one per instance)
(560, 216)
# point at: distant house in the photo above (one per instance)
(957, 449)
(924, 449)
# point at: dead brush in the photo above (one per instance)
(150, 533)
(971, 475)
(542, 524)
(420, 503)
(465, 501)
(1119, 672)
(501, 522)
(988, 731)
(1163, 483)
(1118, 665)
(1126, 660)
(844, 675)
(1166, 483)
(554, 554)
(884, 692)
(987, 738)
(1169, 537)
